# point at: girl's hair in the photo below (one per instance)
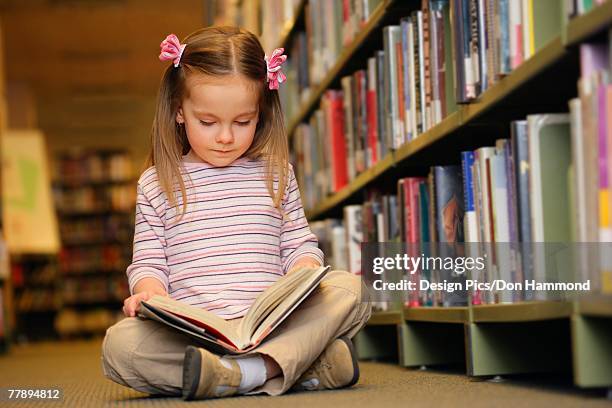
(218, 51)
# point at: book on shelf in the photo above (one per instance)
(270, 309)
(354, 236)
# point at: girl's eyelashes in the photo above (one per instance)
(237, 122)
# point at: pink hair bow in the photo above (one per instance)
(171, 49)
(273, 64)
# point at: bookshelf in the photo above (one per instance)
(36, 295)
(95, 196)
(493, 339)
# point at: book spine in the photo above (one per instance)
(474, 49)
(339, 146)
(406, 79)
(381, 144)
(420, 70)
(469, 224)
(605, 230)
(354, 231)
(413, 80)
(426, 58)
(372, 117)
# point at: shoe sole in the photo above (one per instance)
(349, 344)
(191, 372)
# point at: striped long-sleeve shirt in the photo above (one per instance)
(231, 244)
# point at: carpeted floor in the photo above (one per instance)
(75, 367)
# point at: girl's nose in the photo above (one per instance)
(225, 136)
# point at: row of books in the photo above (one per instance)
(83, 167)
(85, 231)
(95, 198)
(343, 137)
(447, 52)
(37, 300)
(330, 26)
(95, 290)
(548, 183)
(90, 259)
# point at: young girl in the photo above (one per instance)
(218, 220)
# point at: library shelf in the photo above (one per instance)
(97, 242)
(95, 212)
(522, 311)
(455, 314)
(349, 52)
(589, 24)
(448, 125)
(498, 339)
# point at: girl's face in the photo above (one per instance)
(220, 116)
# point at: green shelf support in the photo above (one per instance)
(517, 347)
(424, 344)
(376, 342)
(592, 350)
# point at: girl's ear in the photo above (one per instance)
(179, 115)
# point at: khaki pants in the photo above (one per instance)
(148, 356)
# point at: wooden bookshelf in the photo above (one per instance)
(385, 318)
(522, 311)
(356, 185)
(493, 339)
(436, 314)
(96, 205)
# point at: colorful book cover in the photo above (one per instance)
(449, 203)
(449, 223)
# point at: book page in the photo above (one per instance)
(277, 301)
(197, 315)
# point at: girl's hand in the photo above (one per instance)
(131, 305)
(306, 261)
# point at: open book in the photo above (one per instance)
(269, 310)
